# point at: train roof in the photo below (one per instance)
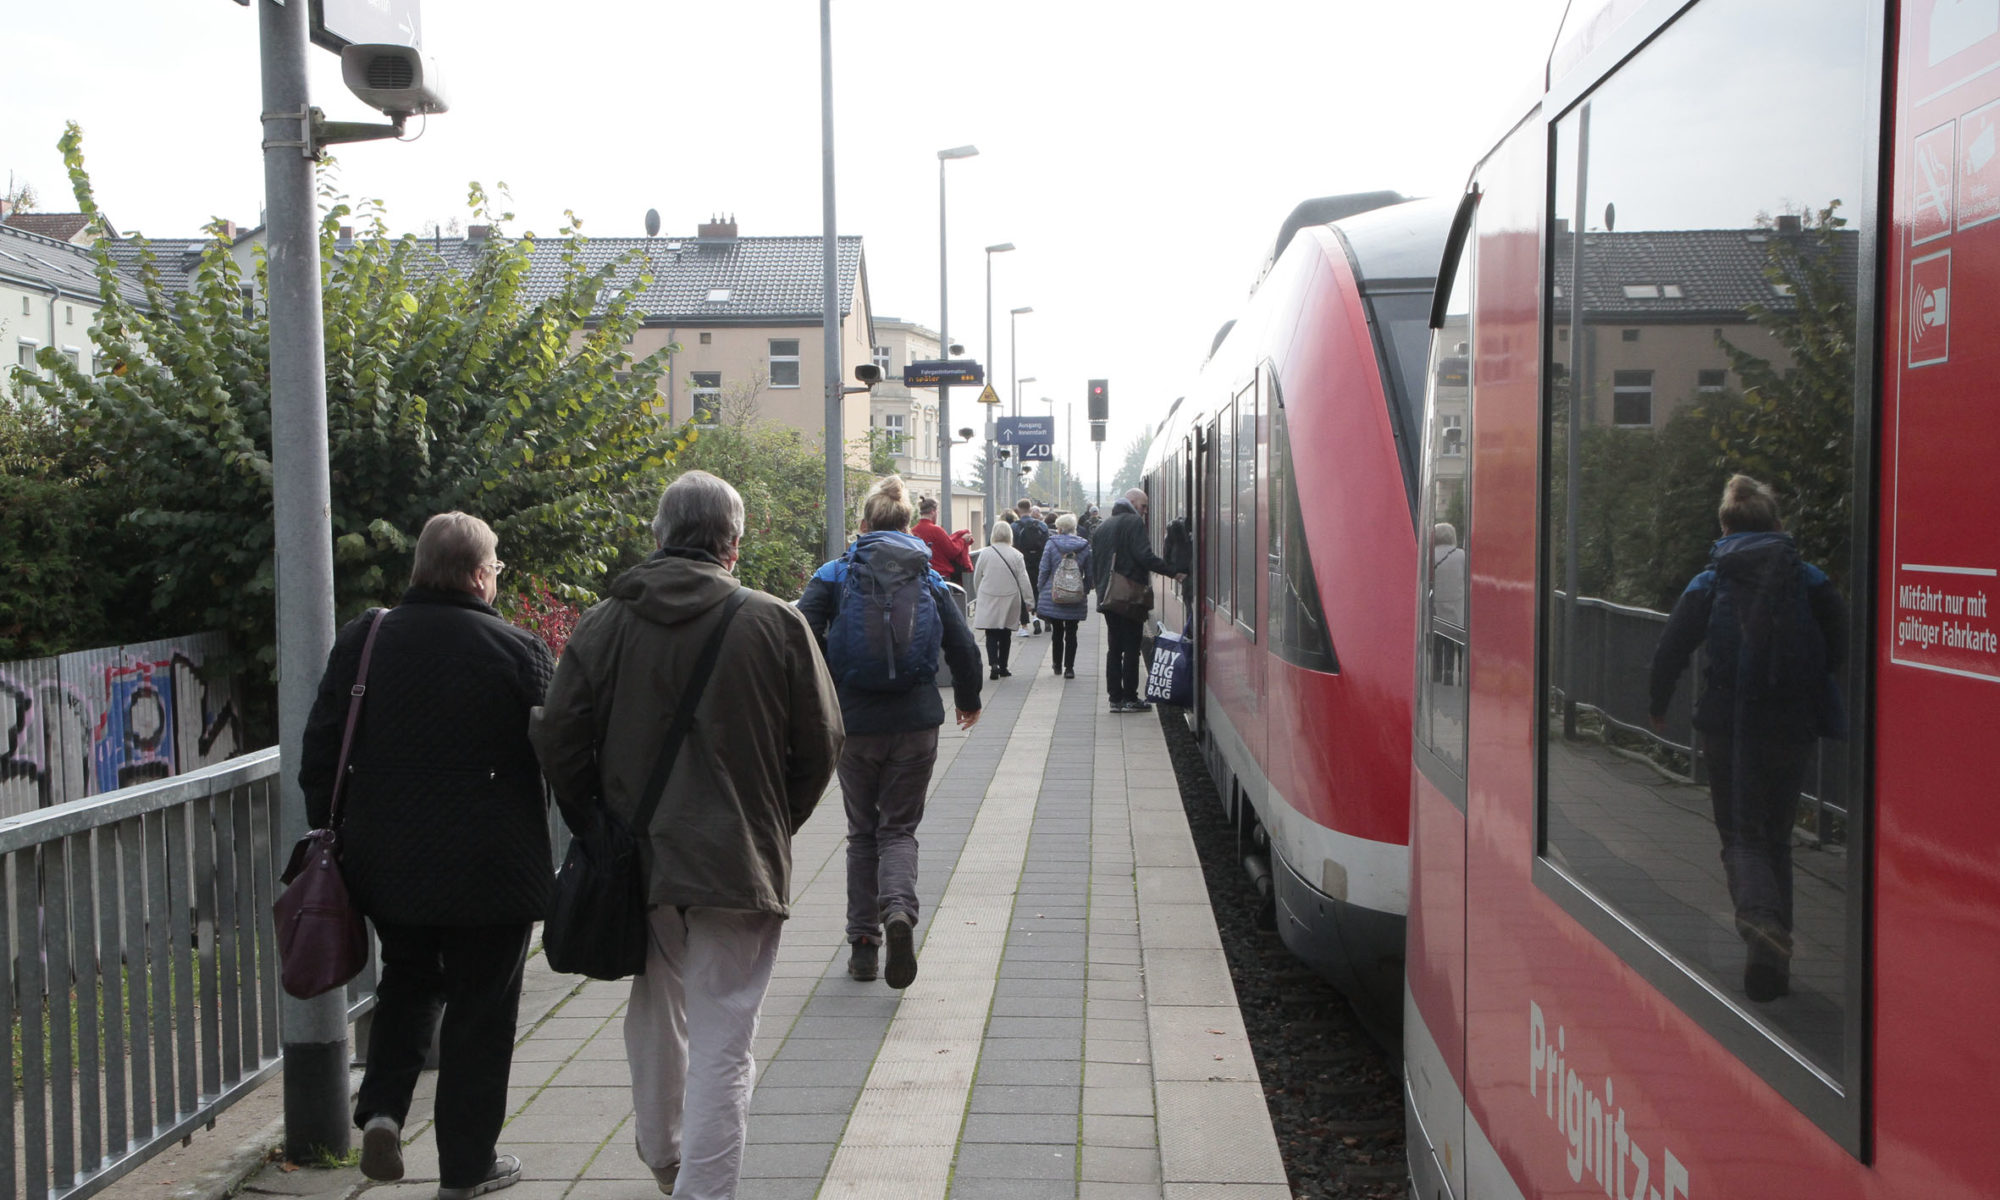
(1398, 245)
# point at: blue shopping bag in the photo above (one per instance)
(1171, 680)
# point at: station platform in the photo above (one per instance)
(1072, 1031)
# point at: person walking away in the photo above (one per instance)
(1000, 595)
(883, 617)
(717, 853)
(1031, 535)
(445, 844)
(1776, 632)
(1088, 523)
(949, 555)
(1120, 545)
(1062, 593)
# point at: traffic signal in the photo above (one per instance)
(1100, 400)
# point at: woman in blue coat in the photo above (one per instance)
(1062, 613)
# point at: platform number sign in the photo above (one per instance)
(1037, 451)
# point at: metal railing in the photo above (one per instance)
(142, 981)
(1613, 667)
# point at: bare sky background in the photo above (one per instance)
(1140, 156)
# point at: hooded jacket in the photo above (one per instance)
(444, 821)
(921, 707)
(766, 736)
(1052, 556)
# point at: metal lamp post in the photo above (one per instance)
(1014, 316)
(1018, 488)
(944, 344)
(835, 435)
(991, 465)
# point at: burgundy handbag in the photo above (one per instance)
(322, 938)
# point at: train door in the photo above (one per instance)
(1191, 465)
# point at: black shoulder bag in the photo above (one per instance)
(598, 927)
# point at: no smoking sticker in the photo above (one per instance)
(1931, 196)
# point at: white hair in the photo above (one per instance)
(700, 512)
(1066, 523)
(1003, 534)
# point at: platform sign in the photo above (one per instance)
(1026, 431)
(951, 372)
(336, 24)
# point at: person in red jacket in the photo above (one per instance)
(948, 554)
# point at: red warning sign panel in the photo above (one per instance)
(1935, 158)
(1930, 309)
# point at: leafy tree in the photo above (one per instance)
(446, 389)
(1131, 472)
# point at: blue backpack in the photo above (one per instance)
(886, 634)
(1764, 642)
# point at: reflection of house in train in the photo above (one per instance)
(1656, 305)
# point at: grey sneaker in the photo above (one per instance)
(505, 1172)
(382, 1149)
(902, 969)
(665, 1177)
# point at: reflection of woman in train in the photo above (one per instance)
(1776, 631)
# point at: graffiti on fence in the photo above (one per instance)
(103, 719)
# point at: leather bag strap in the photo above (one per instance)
(355, 694)
(663, 767)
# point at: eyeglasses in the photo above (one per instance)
(496, 566)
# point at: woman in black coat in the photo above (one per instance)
(445, 844)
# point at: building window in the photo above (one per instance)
(1632, 397)
(1711, 381)
(882, 360)
(24, 306)
(1630, 335)
(69, 314)
(705, 389)
(24, 354)
(784, 362)
(718, 295)
(1451, 435)
(706, 337)
(893, 423)
(74, 355)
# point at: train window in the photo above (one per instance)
(1211, 518)
(1246, 557)
(1704, 821)
(1225, 525)
(1297, 625)
(1441, 652)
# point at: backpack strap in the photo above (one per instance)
(663, 767)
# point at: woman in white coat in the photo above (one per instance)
(1000, 588)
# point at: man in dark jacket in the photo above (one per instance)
(892, 738)
(1121, 545)
(1031, 536)
(445, 844)
(718, 850)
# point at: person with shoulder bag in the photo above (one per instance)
(445, 844)
(1123, 557)
(716, 847)
(884, 617)
(1001, 596)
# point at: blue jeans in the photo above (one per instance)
(883, 780)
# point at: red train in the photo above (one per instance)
(1294, 461)
(1732, 236)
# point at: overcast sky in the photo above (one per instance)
(1140, 156)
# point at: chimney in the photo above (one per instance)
(229, 231)
(1789, 223)
(716, 227)
(478, 233)
(6, 206)
(347, 233)
(1562, 226)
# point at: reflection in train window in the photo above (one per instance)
(1709, 807)
(1441, 651)
(1225, 525)
(1297, 625)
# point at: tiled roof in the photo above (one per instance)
(695, 281)
(60, 226)
(43, 262)
(176, 258)
(1716, 272)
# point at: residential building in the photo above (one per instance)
(906, 416)
(48, 297)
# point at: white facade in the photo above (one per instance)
(908, 414)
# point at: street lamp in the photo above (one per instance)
(1062, 485)
(944, 344)
(991, 466)
(1014, 360)
(1020, 485)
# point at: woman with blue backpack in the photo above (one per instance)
(883, 617)
(1063, 594)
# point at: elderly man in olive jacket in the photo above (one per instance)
(766, 737)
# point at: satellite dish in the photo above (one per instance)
(652, 222)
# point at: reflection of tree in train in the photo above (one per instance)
(1648, 493)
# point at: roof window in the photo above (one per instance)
(718, 295)
(1642, 291)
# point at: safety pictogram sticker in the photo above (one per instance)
(1929, 309)
(1930, 181)
(1978, 198)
